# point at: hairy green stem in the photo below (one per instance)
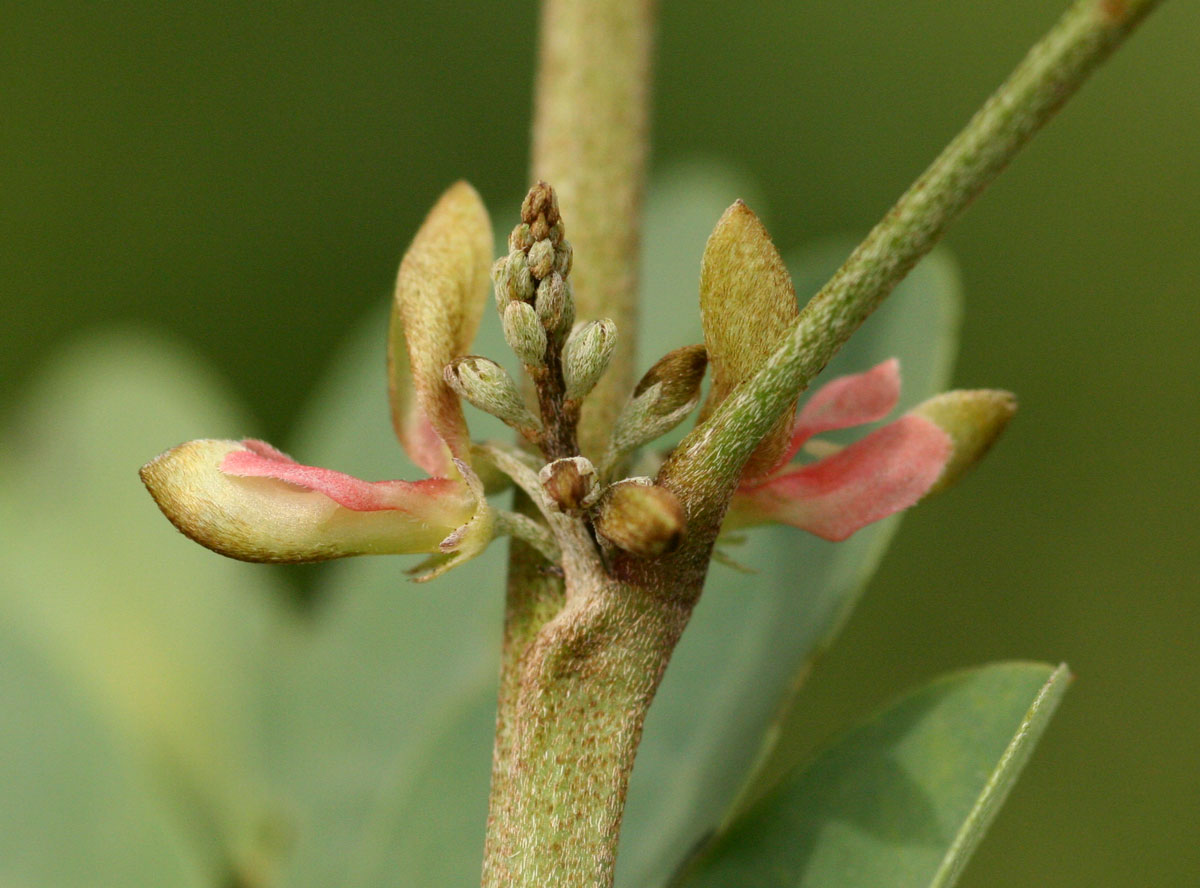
(705, 467)
(590, 142)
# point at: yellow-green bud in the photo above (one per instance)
(521, 285)
(973, 420)
(570, 482)
(586, 354)
(667, 393)
(641, 518)
(524, 333)
(554, 304)
(520, 238)
(541, 259)
(563, 257)
(488, 386)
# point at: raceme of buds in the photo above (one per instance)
(973, 420)
(524, 333)
(747, 307)
(570, 482)
(662, 399)
(488, 386)
(586, 354)
(641, 518)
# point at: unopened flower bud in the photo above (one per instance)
(563, 257)
(520, 238)
(586, 354)
(540, 201)
(524, 333)
(641, 518)
(488, 386)
(973, 420)
(570, 482)
(541, 259)
(521, 285)
(557, 233)
(667, 393)
(555, 307)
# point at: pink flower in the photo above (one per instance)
(888, 470)
(247, 500)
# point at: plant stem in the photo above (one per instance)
(705, 467)
(582, 662)
(590, 141)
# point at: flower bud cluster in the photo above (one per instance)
(535, 273)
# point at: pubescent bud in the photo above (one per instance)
(570, 482)
(973, 420)
(524, 333)
(520, 238)
(586, 354)
(667, 393)
(541, 259)
(555, 305)
(641, 518)
(488, 386)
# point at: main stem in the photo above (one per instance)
(590, 138)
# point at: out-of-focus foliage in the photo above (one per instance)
(247, 178)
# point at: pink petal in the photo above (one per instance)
(885, 472)
(848, 401)
(261, 460)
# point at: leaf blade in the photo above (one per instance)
(899, 801)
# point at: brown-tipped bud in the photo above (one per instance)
(973, 420)
(520, 238)
(541, 201)
(524, 333)
(570, 482)
(487, 385)
(586, 354)
(557, 233)
(554, 304)
(541, 259)
(641, 518)
(667, 393)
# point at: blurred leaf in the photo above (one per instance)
(74, 812)
(902, 800)
(164, 638)
(753, 637)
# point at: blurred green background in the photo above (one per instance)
(245, 177)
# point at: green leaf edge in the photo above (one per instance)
(1004, 775)
(995, 791)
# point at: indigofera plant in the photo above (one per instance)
(613, 534)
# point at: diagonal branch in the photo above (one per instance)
(705, 467)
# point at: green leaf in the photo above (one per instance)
(753, 637)
(75, 812)
(164, 639)
(902, 800)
